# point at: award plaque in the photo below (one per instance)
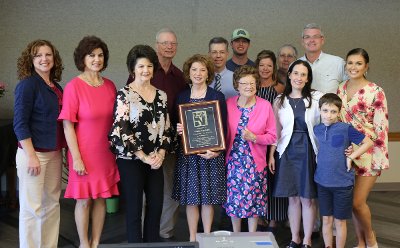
(202, 127)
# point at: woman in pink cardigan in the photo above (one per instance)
(251, 128)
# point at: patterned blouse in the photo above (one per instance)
(367, 112)
(139, 125)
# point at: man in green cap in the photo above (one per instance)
(240, 43)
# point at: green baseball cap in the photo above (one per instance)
(240, 33)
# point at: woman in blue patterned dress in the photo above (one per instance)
(251, 128)
(200, 179)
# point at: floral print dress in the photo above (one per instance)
(367, 112)
(246, 188)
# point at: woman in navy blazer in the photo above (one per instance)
(200, 179)
(38, 99)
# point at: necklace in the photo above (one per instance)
(295, 102)
(49, 83)
(153, 106)
(153, 114)
(201, 95)
(91, 83)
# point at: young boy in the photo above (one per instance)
(334, 175)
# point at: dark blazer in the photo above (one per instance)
(211, 94)
(36, 110)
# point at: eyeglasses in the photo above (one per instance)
(286, 56)
(248, 84)
(215, 53)
(168, 43)
(314, 37)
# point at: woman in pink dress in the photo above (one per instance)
(365, 107)
(87, 117)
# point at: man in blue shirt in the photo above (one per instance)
(223, 80)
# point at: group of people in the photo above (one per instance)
(287, 142)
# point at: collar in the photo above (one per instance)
(172, 70)
(321, 55)
(222, 72)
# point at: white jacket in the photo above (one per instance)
(285, 121)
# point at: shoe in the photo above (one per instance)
(262, 228)
(305, 246)
(169, 239)
(376, 241)
(293, 244)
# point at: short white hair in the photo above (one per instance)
(291, 47)
(165, 30)
(312, 26)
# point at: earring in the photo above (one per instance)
(365, 74)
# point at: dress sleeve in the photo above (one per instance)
(381, 128)
(122, 137)
(70, 105)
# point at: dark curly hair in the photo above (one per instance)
(306, 91)
(243, 71)
(203, 59)
(85, 47)
(139, 52)
(25, 66)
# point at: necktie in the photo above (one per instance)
(217, 85)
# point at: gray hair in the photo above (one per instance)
(290, 46)
(165, 30)
(312, 26)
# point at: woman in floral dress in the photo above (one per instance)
(365, 107)
(251, 128)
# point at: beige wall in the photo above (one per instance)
(373, 25)
(393, 174)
